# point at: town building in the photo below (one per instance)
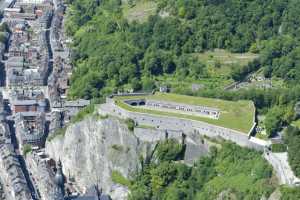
(94, 193)
(15, 184)
(29, 106)
(30, 128)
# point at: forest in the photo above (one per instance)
(111, 53)
(292, 139)
(230, 172)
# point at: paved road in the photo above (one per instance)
(280, 164)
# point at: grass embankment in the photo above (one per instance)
(234, 115)
(139, 10)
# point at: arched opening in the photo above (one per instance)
(142, 103)
(133, 103)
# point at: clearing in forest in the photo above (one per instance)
(139, 10)
(220, 62)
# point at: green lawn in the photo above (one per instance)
(234, 115)
(139, 11)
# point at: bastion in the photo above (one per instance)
(230, 120)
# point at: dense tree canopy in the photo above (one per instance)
(292, 139)
(111, 53)
(230, 171)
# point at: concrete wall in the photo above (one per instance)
(174, 123)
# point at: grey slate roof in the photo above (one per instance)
(24, 102)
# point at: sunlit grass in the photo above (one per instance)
(234, 115)
(139, 11)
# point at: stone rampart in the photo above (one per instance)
(186, 125)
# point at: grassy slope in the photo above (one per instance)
(140, 11)
(226, 58)
(234, 115)
(218, 77)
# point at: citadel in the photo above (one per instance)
(34, 109)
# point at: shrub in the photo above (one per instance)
(130, 124)
(169, 150)
(289, 193)
(60, 131)
(83, 113)
(117, 147)
(278, 148)
(26, 149)
(117, 177)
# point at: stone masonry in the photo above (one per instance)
(174, 123)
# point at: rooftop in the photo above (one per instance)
(24, 102)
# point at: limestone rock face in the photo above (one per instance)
(92, 149)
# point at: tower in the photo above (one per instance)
(59, 179)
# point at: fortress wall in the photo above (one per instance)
(185, 125)
(153, 135)
(253, 122)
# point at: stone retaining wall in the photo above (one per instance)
(174, 123)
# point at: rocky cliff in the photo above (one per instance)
(92, 149)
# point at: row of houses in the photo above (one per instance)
(12, 177)
(56, 30)
(28, 54)
(34, 109)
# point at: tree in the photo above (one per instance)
(169, 150)
(288, 193)
(292, 139)
(209, 177)
(148, 84)
(274, 121)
